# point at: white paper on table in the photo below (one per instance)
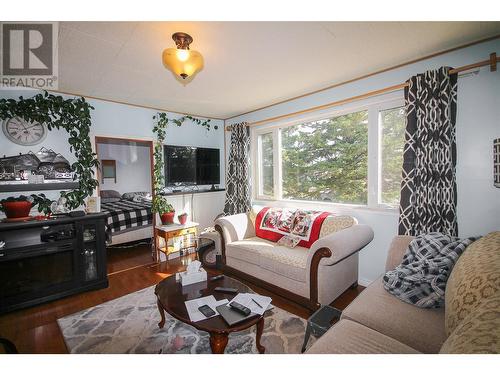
(248, 300)
(192, 306)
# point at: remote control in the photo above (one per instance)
(76, 213)
(245, 311)
(218, 277)
(226, 290)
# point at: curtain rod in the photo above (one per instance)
(492, 62)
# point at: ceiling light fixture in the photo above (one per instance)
(182, 61)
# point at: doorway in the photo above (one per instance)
(125, 178)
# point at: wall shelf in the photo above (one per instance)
(70, 185)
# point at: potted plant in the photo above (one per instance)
(43, 205)
(164, 209)
(16, 207)
(182, 218)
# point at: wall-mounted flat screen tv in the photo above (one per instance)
(192, 165)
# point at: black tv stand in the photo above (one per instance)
(50, 259)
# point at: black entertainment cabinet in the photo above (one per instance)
(46, 260)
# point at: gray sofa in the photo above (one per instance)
(307, 276)
(378, 322)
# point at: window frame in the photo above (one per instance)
(372, 105)
(258, 183)
(379, 202)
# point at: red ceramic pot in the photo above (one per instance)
(17, 209)
(167, 218)
(182, 218)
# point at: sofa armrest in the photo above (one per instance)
(396, 252)
(235, 227)
(342, 244)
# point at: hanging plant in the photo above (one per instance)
(161, 119)
(72, 115)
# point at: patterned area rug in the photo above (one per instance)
(129, 324)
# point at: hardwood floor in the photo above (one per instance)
(120, 259)
(35, 329)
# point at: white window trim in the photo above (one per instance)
(377, 145)
(256, 149)
(373, 106)
(277, 172)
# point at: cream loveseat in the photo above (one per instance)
(378, 322)
(309, 277)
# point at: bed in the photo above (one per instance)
(129, 217)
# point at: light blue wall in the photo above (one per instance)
(123, 121)
(478, 123)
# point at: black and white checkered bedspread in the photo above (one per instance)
(125, 214)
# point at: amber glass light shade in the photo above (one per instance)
(184, 63)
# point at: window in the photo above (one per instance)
(351, 155)
(266, 164)
(392, 124)
(326, 160)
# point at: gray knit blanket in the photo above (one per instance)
(421, 277)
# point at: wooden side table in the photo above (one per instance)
(172, 231)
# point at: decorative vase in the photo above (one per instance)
(182, 218)
(167, 217)
(17, 209)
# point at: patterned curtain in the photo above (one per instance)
(428, 187)
(238, 171)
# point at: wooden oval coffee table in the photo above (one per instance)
(171, 295)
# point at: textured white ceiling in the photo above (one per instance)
(247, 64)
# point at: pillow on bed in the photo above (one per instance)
(110, 200)
(110, 194)
(136, 196)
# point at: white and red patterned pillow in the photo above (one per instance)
(288, 241)
(280, 220)
(273, 223)
(303, 221)
(286, 220)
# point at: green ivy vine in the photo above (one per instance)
(72, 115)
(161, 119)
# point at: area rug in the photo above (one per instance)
(129, 324)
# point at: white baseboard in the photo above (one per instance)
(364, 282)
